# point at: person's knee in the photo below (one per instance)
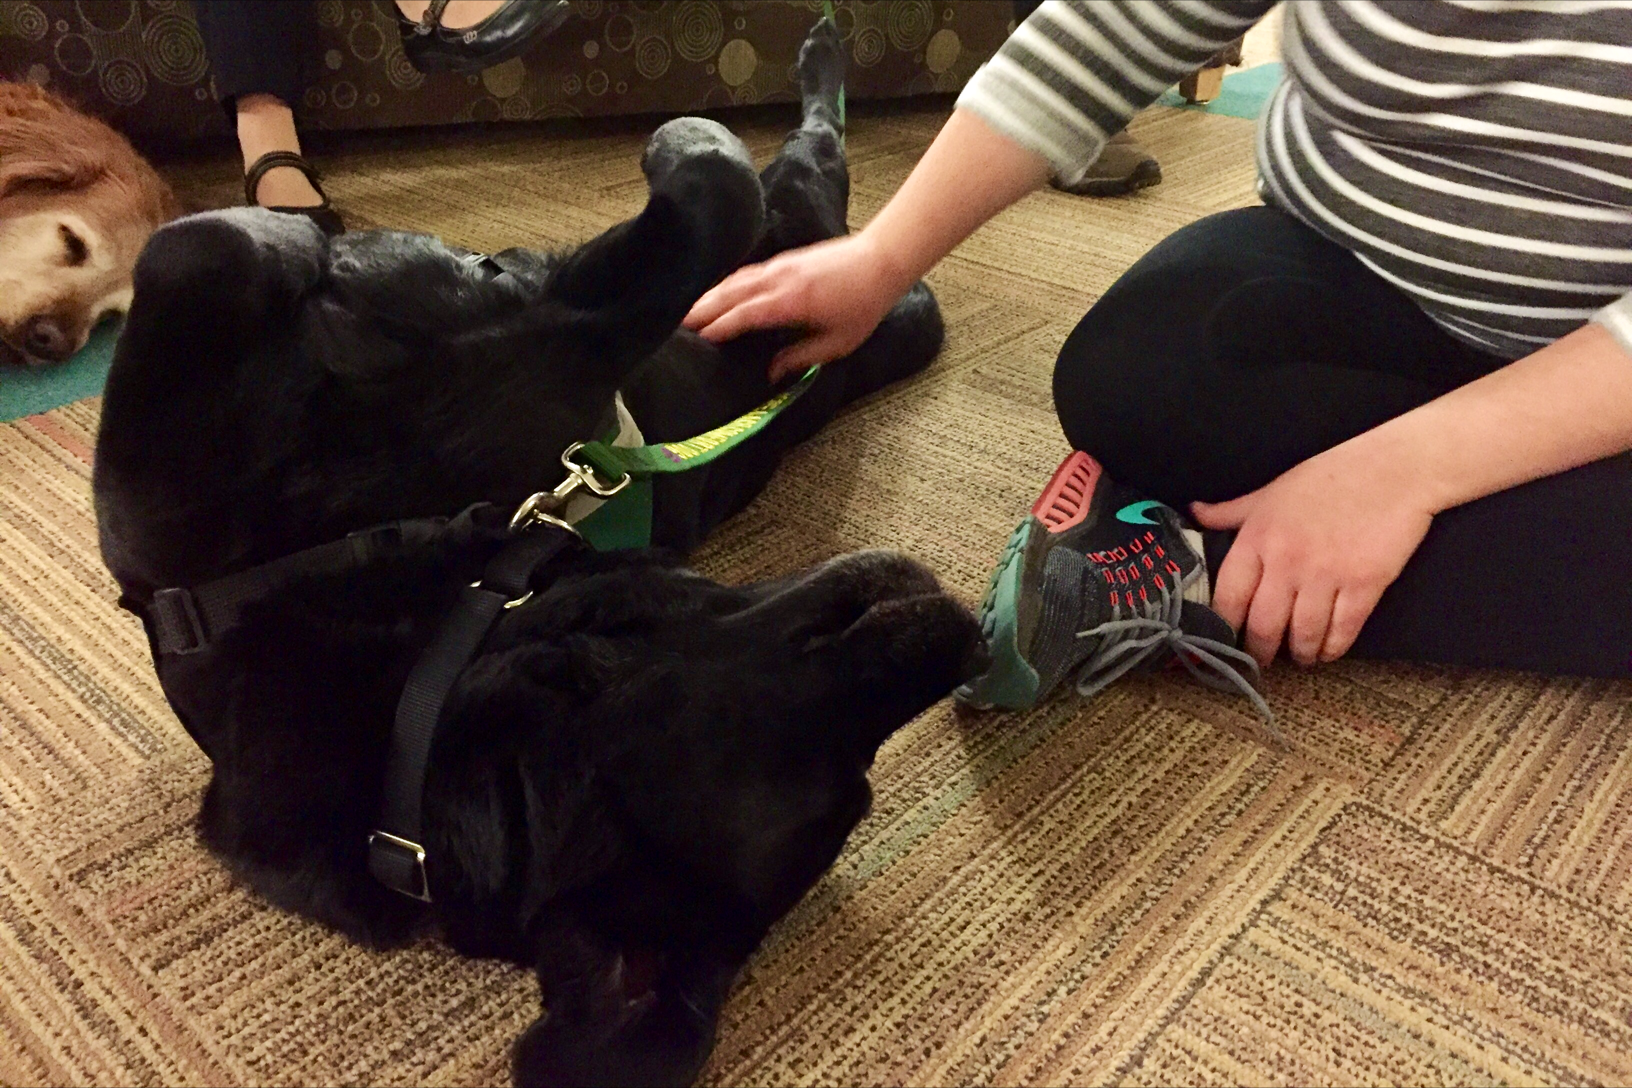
(1091, 365)
(1113, 404)
(1120, 377)
(1169, 364)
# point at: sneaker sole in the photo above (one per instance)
(1010, 683)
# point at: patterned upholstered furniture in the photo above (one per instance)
(141, 64)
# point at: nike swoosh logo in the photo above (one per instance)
(1134, 512)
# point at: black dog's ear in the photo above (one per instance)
(618, 1015)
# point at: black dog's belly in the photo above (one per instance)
(690, 386)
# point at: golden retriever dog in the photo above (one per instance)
(77, 203)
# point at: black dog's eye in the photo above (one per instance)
(75, 246)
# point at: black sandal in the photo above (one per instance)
(506, 33)
(322, 214)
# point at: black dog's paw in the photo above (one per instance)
(687, 138)
(707, 177)
(821, 64)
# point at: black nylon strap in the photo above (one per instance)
(182, 621)
(396, 854)
(186, 621)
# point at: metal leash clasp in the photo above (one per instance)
(585, 473)
(546, 506)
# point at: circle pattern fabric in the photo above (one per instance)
(142, 63)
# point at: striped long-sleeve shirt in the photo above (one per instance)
(1477, 154)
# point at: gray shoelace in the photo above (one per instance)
(1127, 640)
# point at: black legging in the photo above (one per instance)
(1246, 343)
(256, 47)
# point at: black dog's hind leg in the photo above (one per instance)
(807, 185)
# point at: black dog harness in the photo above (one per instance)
(182, 622)
(396, 854)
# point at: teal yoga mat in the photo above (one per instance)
(27, 390)
(1243, 95)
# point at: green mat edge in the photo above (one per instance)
(1243, 94)
(26, 391)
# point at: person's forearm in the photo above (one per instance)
(1563, 406)
(969, 174)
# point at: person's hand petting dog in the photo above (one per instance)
(838, 291)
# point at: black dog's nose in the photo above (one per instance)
(44, 338)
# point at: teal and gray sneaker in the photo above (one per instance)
(1095, 582)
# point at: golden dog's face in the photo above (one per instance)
(76, 206)
(60, 274)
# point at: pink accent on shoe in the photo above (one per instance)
(1065, 501)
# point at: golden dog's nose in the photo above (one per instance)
(44, 338)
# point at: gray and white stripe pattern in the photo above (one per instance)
(1477, 154)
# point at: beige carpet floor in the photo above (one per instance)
(1433, 886)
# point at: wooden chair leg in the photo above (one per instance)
(1205, 84)
(1202, 85)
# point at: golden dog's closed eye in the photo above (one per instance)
(73, 246)
(77, 204)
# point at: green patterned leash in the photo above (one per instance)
(614, 462)
(621, 476)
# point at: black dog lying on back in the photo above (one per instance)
(641, 770)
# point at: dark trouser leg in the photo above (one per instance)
(255, 47)
(1245, 344)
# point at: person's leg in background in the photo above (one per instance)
(1124, 166)
(1245, 344)
(458, 15)
(255, 50)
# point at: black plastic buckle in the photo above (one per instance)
(178, 627)
(399, 864)
(377, 540)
